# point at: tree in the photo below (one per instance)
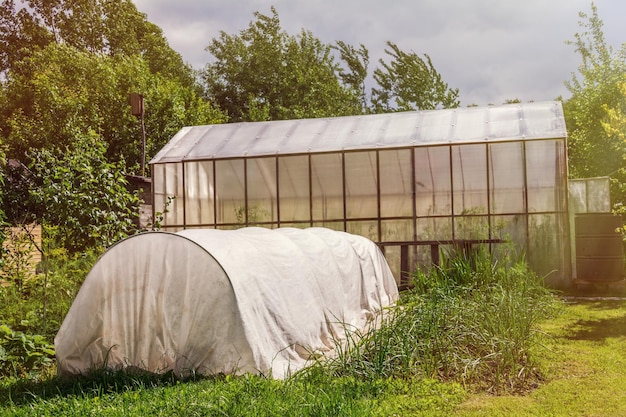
(67, 67)
(83, 194)
(596, 93)
(60, 92)
(108, 27)
(409, 82)
(76, 189)
(615, 125)
(357, 62)
(2, 214)
(264, 72)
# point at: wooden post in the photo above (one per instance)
(137, 109)
(404, 267)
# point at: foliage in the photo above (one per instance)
(615, 125)
(23, 354)
(580, 362)
(597, 93)
(18, 267)
(397, 81)
(101, 27)
(2, 213)
(264, 73)
(137, 394)
(357, 62)
(84, 195)
(61, 92)
(471, 320)
(37, 297)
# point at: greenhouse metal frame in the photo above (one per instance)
(423, 180)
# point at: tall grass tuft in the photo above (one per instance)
(472, 320)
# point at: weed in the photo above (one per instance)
(471, 320)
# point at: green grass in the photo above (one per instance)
(584, 363)
(127, 395)
(472, 338)
(469, 325)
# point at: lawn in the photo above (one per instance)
(583, 362)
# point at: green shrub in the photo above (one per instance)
(472, 320)
(23, 355)
(36, 303)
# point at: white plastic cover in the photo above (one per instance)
(217, 301)
(521, 121)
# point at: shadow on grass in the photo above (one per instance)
(602, 303)
(95, 384)
(600, 329)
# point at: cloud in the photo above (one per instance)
(492, 50)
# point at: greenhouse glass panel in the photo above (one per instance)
(506, 177)
(471, 227)
(432, 181)
(269, 138)
(471, 124)
(184, 143)
(199, 193)
(598, 195)
(294, 196)
(546, 175)
(396, 230)
(537, 121)
(500, 125)
(242, 139)
(469, 169)
(369, 229)
(435, 228)
(434, 127)
(361, 185)
(589, 195)
(302, 225)
(169, 193)
(422, 258)
(261, 178)
(546, 251)
(327, 187)
(230, 191)
(577, 196)
(403, 129)
(510, 229)
(159, 197)
(339, 226)
(392, 255)
(395, 183)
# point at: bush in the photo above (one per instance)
(36, 302)
(23, 355)
(472, 320)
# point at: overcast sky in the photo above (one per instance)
(491, 50)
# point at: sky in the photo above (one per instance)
(491, 50)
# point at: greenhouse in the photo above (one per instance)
(211, 301)
(416, 183)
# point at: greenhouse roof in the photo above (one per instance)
(510, 122)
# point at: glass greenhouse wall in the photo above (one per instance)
(410, 181)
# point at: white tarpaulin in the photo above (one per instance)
(224, 301)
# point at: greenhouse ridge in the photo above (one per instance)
(376, 131)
